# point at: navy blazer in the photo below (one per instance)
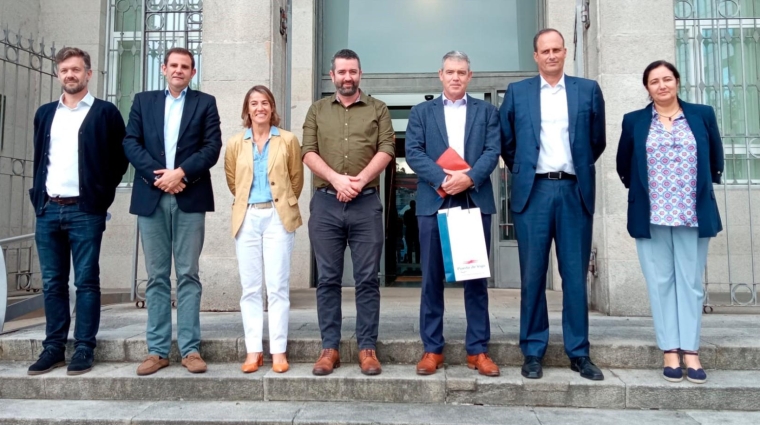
(426, 140)
(632, 167)
(198, 147)
(101, 157)
(520, 116)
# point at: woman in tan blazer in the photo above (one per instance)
(265, 175)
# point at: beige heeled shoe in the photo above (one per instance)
(280, 367)
(253, 366)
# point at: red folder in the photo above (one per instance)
(450, 160)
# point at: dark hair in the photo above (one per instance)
(274, 120)
(345, 54)
(179, 51)
(656, 64)
(71, 52)
(542, 32)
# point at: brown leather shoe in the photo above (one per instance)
(483, 363)
(151, 365)
(253, 365)
(328, 360)
(194, 363)
(429, 364)
(369, 363)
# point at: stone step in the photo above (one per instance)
(560, 387)
(623, 351)
(28, 412)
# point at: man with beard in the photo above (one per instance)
(348, 141)
(78, 162)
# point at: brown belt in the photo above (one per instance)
(64, 201)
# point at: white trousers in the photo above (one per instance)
(262, 239)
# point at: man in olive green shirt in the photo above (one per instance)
(348, 141)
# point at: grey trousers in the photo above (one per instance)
(171, 231)
(673, 261)
(332, 226)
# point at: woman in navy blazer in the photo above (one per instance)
(669, 156)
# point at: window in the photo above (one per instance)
(140, 32)
(718, 55)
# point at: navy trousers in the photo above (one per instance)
(431, 303)
(554, 212)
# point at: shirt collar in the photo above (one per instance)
(447, 101)
(273, 131)
(87, 100)
(544, 83)
(181, 95)
(363, 98)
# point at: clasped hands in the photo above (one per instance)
(170, 181)
(456, 181)
(348, 187)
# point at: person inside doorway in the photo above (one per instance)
(412, 234)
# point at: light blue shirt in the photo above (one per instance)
(172, 117)
(260, 191)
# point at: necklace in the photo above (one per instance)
(670, 118)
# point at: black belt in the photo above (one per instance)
(64, 201)
(559, 175)
(331, 191)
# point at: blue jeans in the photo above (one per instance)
(168, 231)
(64, 232)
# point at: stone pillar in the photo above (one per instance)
(242, 47)
(303, 74)
(630, 34)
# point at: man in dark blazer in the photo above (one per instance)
(471, 127)
(553, 132)
(78, 162)
(173, 139)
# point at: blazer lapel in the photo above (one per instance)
(469, 118)
(534, 106)
(274, 147)
(159, 106)
(440, 119)
(191, 102)
(571, 89)
(640, 136)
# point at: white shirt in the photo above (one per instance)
(173, 108)
(455, 114)
(63, 153)
(555, 154)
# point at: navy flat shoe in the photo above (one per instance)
(672, 374)
(697, 376)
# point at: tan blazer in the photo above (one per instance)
(285, 171)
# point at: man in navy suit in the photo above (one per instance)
(471, 127)
(173, 139)
(78, 162)
(553, 132)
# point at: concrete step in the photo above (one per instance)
(628, 351)
(33, 412)
(560, 387)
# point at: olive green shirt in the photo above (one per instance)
(347, 138)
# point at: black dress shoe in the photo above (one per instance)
(531, 368)
(587, 369)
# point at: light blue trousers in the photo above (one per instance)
(673, 262)
(168, 231)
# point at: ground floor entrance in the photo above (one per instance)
(400, 265)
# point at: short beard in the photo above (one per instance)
(347, 91)
(76, 89)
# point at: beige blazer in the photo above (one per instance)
(285, 171)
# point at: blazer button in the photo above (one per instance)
(534, 167)
(162, 153)
(538, 148)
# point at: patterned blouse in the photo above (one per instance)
(672, 173)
